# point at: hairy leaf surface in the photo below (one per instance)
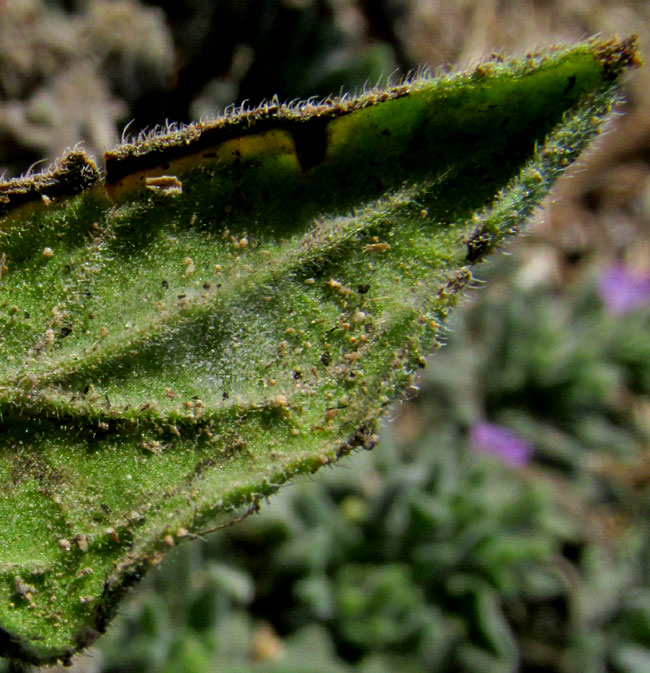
(236, 302)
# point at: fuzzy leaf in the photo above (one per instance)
(237, 302)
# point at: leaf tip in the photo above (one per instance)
(616, 55)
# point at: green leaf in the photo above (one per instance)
(237, 302)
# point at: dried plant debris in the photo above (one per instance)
(236, 302)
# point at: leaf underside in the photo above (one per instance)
(236, 302)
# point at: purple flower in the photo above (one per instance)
(500, 442)
(623, 290)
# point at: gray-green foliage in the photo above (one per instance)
(238, 302)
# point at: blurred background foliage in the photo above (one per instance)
(502, 524)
